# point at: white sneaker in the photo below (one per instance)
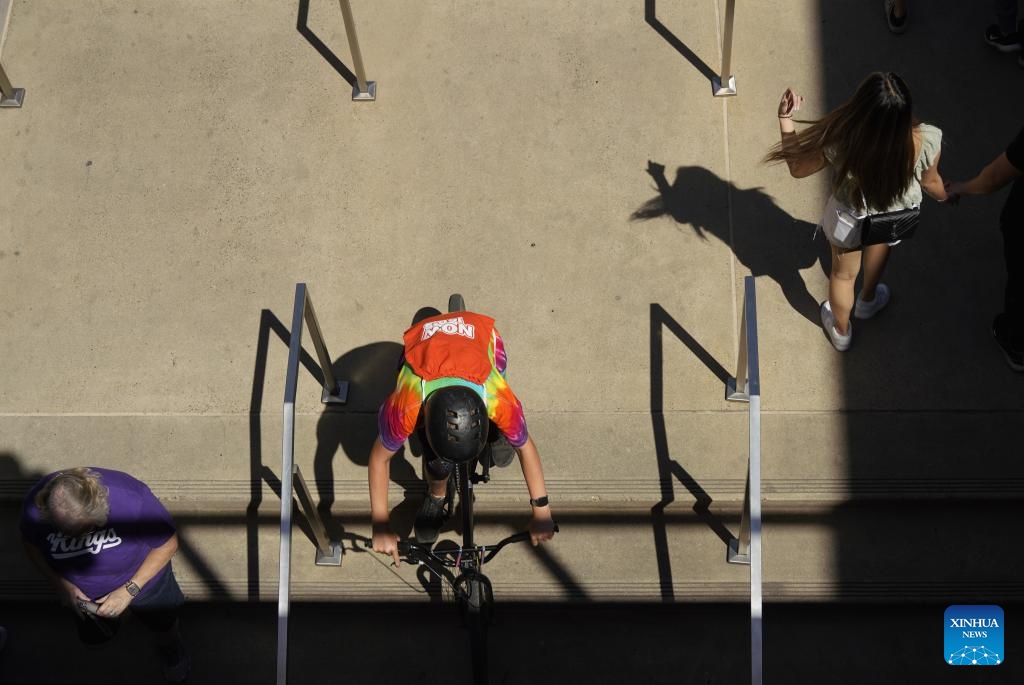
(865, 310)
(839, 341)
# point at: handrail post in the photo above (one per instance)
(736, 389)
(328, 552)
(739, 546)
(364, 90)
(335, 391)
(724, 84)
(9, 95)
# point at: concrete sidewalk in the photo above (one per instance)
(178, 167)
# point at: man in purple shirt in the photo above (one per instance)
(105, 543)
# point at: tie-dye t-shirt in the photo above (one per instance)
(400, 412)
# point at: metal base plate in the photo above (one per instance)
(339, 396)
(720, 91)
(332, 559)
(734, 395)
(17, 97)
(368, 96)
(733, 556)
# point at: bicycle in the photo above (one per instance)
(470, 586)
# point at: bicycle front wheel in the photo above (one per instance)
(477, 602)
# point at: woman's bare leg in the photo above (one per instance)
(875, 259)
(845, 267)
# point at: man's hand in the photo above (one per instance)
(114, 603)
(385, 541)
(954, 189)
(541, 527)
(70, 594)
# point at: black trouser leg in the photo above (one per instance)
(1013, 299)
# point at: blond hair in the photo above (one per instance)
(74, 495)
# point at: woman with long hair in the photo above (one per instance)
(881, 159)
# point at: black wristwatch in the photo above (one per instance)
(540, 501)
(132, 588)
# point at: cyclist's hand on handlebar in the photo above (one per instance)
(542, 527)
(385, 541)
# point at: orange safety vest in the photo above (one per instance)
(453, 344)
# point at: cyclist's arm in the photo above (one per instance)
(379, 473)
(541, 525)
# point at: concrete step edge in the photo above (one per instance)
(347, 590)
(620, 490)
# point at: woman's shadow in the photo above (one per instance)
(765, 239)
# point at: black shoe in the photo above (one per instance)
(175, 662)
(430, 519)
(1001, 332)
(896, 24)
(1003, 42)
(502, 452)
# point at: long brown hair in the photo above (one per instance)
(869, 140)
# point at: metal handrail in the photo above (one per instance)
(363, 90)
(746, 548)
(9, 95)
(328, 552)
(724, 84)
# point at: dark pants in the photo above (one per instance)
(1006, 15)
(157, 610)
(1013, 299)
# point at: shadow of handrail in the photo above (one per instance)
(670, 470)
(302, 25)
(268, 324)
(650, 16)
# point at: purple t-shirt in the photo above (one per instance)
(105, 558)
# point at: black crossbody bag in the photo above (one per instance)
(889, 227)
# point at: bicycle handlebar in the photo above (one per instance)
(415, 551)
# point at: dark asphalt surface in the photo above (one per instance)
(364, 643)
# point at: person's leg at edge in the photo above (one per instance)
(159, 613)
(432, 515)
(874, 260)
(437, 482)
(841, 297)
(1006, 15)
(1013, 297)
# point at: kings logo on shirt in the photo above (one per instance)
(94, 542)
(453, 326)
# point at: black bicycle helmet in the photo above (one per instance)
(455, 421)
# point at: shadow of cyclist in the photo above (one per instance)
(370, 371)
(764, 238)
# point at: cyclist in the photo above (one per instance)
(451, 388)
